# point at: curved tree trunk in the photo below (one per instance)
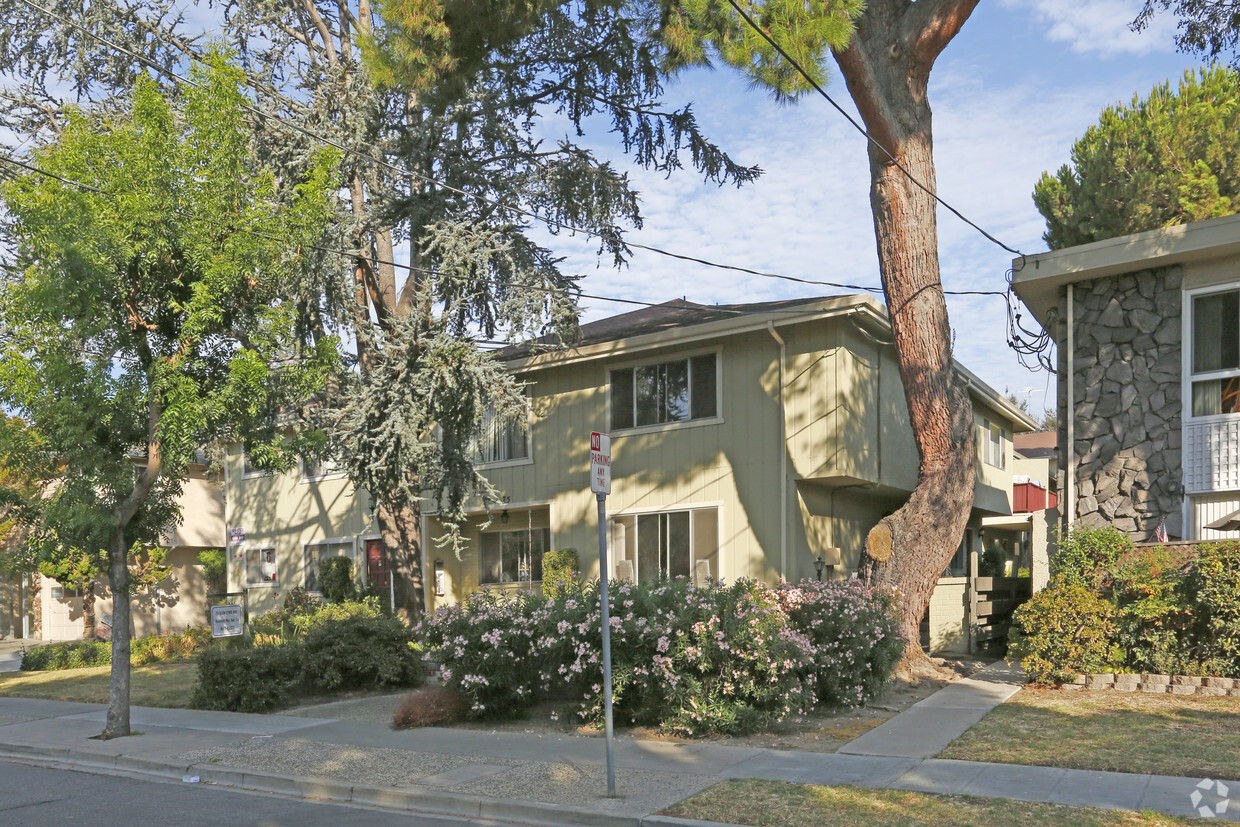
(887, 69)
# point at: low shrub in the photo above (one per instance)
(258, 679)
(1215, 582)
(361, 652)
(71, 655)
(142, 651)
(710, 659)
(559, 570)
(1063, 630)
(428, 706)
(1087, 556)
(855, 632)
(302, 612)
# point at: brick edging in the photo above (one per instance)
(1157, 684)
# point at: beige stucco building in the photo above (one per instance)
(747, 441)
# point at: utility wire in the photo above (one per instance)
(496, 203)
(860, 128)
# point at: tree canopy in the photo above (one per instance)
(150, 310)
(1206, 27)
(1165, 159)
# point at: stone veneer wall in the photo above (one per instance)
(1128, 407)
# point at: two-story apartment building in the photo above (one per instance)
(747, 441)
(1148, 334)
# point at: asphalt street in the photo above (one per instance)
(38, 796)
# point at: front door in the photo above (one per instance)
(378, 572)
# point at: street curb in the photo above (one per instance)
(431, 802)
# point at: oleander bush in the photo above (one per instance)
(689, 659)
(855, 632)
(142, 651)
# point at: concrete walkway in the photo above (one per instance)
(553, 780)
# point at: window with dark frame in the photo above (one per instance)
(513, 556)
(673, 391)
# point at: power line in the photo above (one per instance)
(491, 201)
(795, 65)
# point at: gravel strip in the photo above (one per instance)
(367, 766)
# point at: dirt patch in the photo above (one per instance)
(824, 730)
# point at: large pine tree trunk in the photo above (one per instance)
(118, 685)
(402, 538)
(887, 69)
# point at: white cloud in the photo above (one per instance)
(1099, 26)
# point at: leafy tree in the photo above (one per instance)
(143, 312)
(1165, 159)
(442, 151)
(885, 52)
(1206, 27)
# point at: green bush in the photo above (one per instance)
(1215, 578)
(559, 570)
(214, 566)
(258, 679)
(361, 652)
(302, 612)
(855, 632)
(72, 655)
(143, 650)
(336, 580)
(1155, 614)
(1087, 556)
(1062, 631)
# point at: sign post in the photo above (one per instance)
(600, 484)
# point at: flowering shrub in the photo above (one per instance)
(855, 633)
(712, 659)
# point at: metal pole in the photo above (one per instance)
(604, 604)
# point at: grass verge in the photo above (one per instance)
(159, 684)
(761, 803)
(1107, 730)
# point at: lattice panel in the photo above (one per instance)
(1212, 456)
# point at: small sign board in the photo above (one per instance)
(236, 535)
(600, 463)
(226, 620)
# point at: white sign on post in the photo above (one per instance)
(226, 620)
(600, 463)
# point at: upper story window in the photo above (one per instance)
(318, 469)
(993, 439)
(673, 391)
(502, 440)
(1216, 353)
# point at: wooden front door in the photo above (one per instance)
(378, 572)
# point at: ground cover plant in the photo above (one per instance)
(1106, 730)
(1113, 607)
(144, 650)
(691, 660)
(776, 803)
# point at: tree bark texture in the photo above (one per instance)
(887, 70)
(117, 725)
(401, 529)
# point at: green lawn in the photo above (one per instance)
(779, 803)
(1107, 730)
(159, 684)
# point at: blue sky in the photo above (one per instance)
(1018, 85)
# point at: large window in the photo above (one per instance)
(1216, 353)
(260, 567)
(514, 556)
(668, 544)
(666, 392)
(993, 440)
(502, 440)
(316, 553)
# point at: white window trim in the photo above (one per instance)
(308, 478)
(354, 554)
(1187, 377)
(637, 511)
(717, 419)
(529, 446)
(1004, 440)
(504, 529)
(245, 566)
(247, 474)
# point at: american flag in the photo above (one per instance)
(1161, 534)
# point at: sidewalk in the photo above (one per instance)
(550, 780)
